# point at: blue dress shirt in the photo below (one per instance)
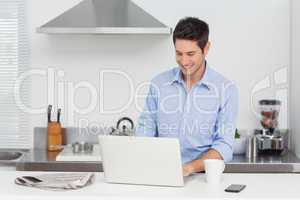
(203, 118)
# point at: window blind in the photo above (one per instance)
(14, 54)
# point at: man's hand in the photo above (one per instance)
(187, 169)
(198, 164)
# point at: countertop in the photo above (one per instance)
(258, 186)
(42, 160)
(287, 162)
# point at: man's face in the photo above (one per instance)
(189, 56)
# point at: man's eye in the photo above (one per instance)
(190, 54)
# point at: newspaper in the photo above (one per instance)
(57, 181)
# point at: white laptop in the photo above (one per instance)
(141, 160)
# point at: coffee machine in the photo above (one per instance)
(270, 139)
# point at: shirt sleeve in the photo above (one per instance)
(226, 123)
(147, 122)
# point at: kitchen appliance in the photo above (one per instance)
(105, 17)
(270, 139)
(124, 127)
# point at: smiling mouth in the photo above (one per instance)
(187, 67)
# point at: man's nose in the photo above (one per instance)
(185, 60)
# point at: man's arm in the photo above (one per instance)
(198, 165)
(221, 147)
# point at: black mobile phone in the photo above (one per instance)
(235, 188)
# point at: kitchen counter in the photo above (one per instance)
(41, 160)
(258, 186)
(285, 163)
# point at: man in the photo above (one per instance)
(192, 102)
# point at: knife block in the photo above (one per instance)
(54, 136)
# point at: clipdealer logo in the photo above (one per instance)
(64, 93)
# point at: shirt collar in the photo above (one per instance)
(177, 76)
(206, 79)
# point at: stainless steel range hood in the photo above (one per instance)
(105, 17)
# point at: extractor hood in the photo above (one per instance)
(105, 17)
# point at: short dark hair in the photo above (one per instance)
(192, 28)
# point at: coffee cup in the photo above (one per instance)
(213, 170)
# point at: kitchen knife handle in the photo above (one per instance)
(49, 113)
(58, 115)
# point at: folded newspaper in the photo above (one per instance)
(57, 181)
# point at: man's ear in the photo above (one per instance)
(206, 48)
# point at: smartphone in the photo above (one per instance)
(235, 188)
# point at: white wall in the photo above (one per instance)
(295, 71)
(249, 43)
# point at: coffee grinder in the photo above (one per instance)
(270, 139)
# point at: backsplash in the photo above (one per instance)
(70, 135)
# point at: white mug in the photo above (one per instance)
(213, 170)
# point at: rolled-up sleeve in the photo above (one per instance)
(226, 122)
(147, 122)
